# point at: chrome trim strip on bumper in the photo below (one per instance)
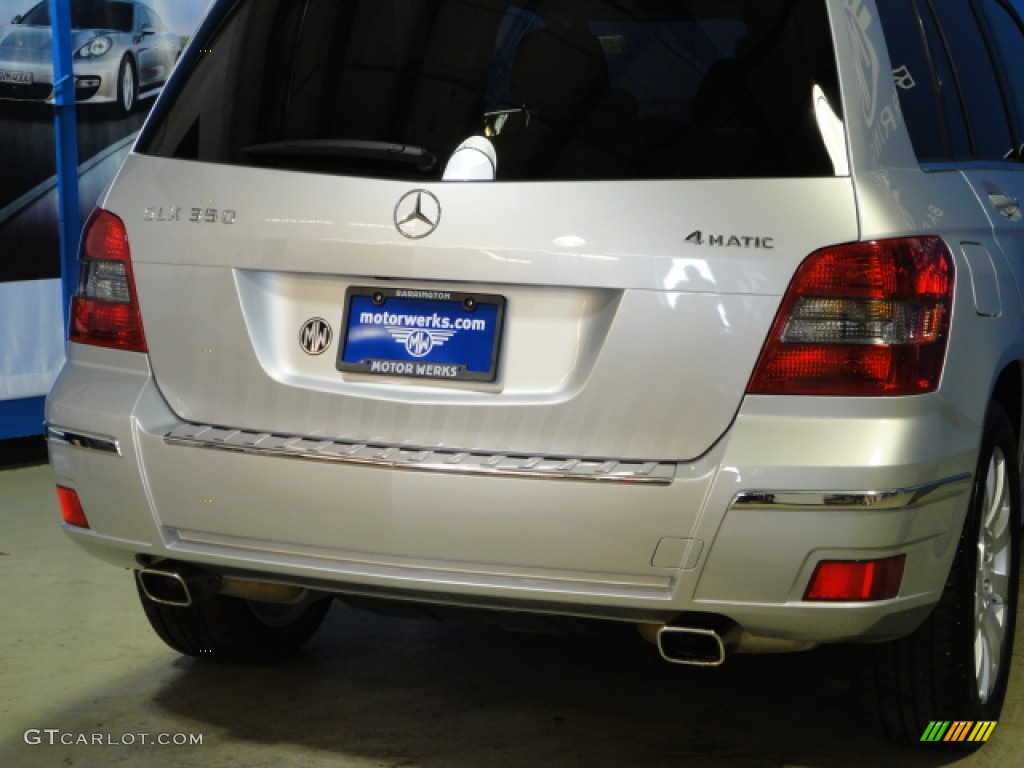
(84, 440)
(422, 460)
(876, 500)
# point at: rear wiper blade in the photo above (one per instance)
(408, 154)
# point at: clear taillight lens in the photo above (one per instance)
(105, 311)
(862, 319)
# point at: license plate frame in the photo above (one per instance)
(421, 334)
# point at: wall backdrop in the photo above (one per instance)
(31, 333)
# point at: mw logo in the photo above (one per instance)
(315, 336)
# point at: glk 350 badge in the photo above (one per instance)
(194, 215)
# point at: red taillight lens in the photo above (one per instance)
(105, 311)
(71, 507)
(862, 319)
(857, 580)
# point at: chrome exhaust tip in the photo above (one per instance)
(181, 587)
(693, 646)
(705, 640)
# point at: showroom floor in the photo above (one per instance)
(79, 665)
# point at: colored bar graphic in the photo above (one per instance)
(982, 731)
(959, 731)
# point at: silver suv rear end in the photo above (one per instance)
(674, 313)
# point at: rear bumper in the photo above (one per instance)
(736, 533)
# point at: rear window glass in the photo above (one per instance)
(562, 89)
(920, 90)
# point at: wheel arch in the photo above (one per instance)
(1008, 392)
(133, 65)
(129, 56)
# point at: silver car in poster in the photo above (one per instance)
(700, 315)
(123, 51)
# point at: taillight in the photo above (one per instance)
(105, 311)
(862, 319)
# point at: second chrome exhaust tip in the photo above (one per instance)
(180, 587)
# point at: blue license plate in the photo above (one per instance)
(422, 334)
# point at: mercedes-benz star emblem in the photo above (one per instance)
(417, 214)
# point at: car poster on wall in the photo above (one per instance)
(124, 50)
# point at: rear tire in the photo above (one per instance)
(955, 666)
(230, 629)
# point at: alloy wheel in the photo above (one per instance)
(993, 576)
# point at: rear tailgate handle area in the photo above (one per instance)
(1007, 205)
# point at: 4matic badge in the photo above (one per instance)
(731, 241)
